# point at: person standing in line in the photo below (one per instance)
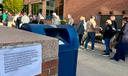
(34, 19)
(85, 32)
(107, 35)
(70, 20)
(30, 17)
(10, 18)
(114, 27)
(5, 18)
(91, 26)
(41, 19)
(55, 19)
(24, 19)
(80, 29)
(114, 23)
(122, 39)
(17, 20)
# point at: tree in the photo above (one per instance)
(13, 6)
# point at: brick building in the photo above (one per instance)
(93, 7)
(46, 7)
(77, 8)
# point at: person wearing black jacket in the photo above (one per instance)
(107, 35)
(114, 23)
(122, 39)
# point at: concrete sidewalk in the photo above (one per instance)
(92, 63)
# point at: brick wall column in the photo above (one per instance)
(30, 8)
(44, 7)
(64, 14)
(49, 68)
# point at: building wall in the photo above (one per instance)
(87, 7)
(30, 2)
(92, 7)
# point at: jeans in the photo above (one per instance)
(90, 35)
(103, 41)
(107, 45)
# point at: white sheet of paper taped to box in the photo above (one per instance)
(21, 61)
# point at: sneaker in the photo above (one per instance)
(114, 59)
(104, 50)
(93, 50)
(87, 48)
(81, 46)
(106, 54)
(122, 60)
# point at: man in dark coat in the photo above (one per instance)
(114, 23)
(107, 35)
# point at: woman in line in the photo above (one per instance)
(81, 29)
(122, 39)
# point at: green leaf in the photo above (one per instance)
(13, 6)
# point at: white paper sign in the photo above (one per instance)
(21, 61)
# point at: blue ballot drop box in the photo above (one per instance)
(68, 45)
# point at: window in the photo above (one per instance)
(105, 17)
(50, 7)
(36, 8)
(59, 8)
(26, 9)
(54, 6)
